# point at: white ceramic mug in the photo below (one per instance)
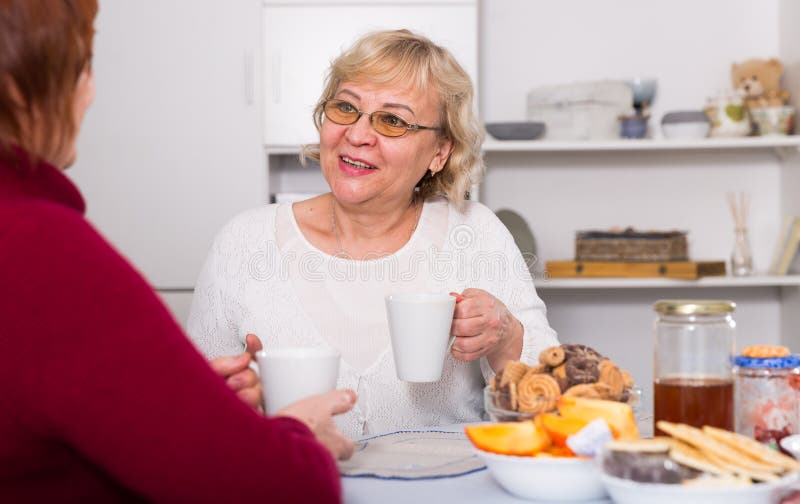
(291, 374)
(419, 327)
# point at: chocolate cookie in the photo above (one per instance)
(581, 370)
(572, 351)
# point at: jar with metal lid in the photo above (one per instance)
(767, 393)
(694, 345)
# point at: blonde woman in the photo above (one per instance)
(399, 147)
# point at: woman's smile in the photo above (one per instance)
(355, 167)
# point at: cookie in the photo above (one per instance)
(609, 374)
(552, 356)
(512, 394)
(736, 467)
(721, 454)
(537, 369)
(538, 393)
(753, 448)
(627, 379)
(575, 350)
(765, 351)
(581, 370)
(689, 456)
(513, 373)
(588, 390)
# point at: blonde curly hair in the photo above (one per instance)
(400, 56)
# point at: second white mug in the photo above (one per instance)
(419, 327)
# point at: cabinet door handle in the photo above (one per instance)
(276, 76)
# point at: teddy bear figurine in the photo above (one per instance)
(758, 81)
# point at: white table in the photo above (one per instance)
(477, 487)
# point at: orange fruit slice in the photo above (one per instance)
(618, 416)
(509, 438)
(559, 428)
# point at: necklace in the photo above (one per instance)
(340, 250)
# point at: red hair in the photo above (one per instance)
(45, 45)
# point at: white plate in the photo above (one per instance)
(548, 479)
(624, 491)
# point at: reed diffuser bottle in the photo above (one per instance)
(742, 255)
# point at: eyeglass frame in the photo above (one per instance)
(409, 126)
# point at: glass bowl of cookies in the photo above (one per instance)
(520, 392)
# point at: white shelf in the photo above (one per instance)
(283, 150)
(650, 283)
(647, 144)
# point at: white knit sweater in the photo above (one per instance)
(263, 277)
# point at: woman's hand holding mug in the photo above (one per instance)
(317, 413)
(482, 325)
(239, 375)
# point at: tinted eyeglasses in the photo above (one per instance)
(385, 123)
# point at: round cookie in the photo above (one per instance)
(609, 374)
(537, 393)
(552, 356)
(581, 370)
(575, 350)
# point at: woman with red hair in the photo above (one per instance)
(102, 397)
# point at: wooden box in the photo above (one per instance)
(688, 270)
(630, 245)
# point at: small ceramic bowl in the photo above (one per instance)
(525, 130)
(685, 124)
(773, 120)
(548, 479)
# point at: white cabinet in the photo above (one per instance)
(302, 38)
(172, 147)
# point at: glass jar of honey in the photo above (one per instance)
(767, 397)
(694, 346)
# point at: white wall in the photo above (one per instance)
(688, 45)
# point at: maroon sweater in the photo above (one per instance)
(102, 397)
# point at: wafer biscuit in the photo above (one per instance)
(753, 448)
(714, 449)
(738, 468)
(689, 456)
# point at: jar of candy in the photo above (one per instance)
(767, 395)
